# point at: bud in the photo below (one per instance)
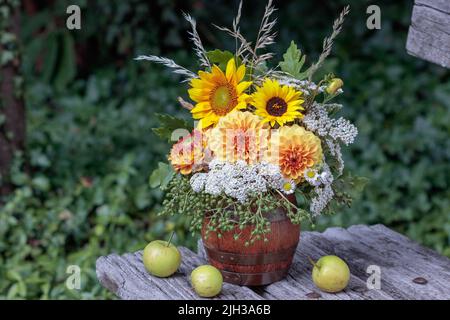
(335, 85)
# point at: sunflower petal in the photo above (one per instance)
(201, 106)
(240, 73)
(231, 70)
(241, 87)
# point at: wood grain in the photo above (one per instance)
(126, 277)
(408, 270)
(429, 33)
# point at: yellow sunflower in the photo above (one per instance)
(277, 103)
(295, 150)
(217, 93)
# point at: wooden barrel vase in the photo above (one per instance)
(257, 264)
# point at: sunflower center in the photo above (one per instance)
(223, 99)
(276, 106)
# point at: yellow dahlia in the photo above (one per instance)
(277, 103)
(217, 93)
(190, 154)
(239, 136)
(295, 150)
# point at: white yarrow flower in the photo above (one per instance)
(326, 177)
(320, 202)
(237, 180)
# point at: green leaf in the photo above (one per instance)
(41, 183)
(67, 65)
(351, 184)
(50, 57)
(168, 125)
(359, 183)
(161, 176)
(219, 57)
(7, 37)
(6, 57)
(293, 62)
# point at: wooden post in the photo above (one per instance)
(12, 110)
(429, 33)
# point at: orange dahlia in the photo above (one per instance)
(239, 136)
(294, 149)
(190, 154)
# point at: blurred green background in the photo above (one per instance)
(90, 110)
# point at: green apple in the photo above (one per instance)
(161, 258)
(330, 274)
(207, 281)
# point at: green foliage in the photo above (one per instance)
(168, 125)
(67, 68)
(91, 152)
(224, 212)
(219, 57)
(90, 146)
(161, 176)
(293, 62)
(347, 188)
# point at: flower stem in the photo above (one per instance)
(313, 263)
(170, 239)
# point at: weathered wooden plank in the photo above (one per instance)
(439, 5)
(421, 45)
(362, 246)
(429, 255)
(416, 261)
(299, 285)
(400, 259)
(126, 277)
(400, 265)
(429, 33)
(433, 22)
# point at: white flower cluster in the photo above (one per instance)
(323, 190)
(305, 86)
(343, 130)
(321, 200)
(335, 150)
(318, 121)
(334, 131)
(237, 180)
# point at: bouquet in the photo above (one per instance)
(265, 136)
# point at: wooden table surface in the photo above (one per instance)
(408, 270)
(429, 33)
